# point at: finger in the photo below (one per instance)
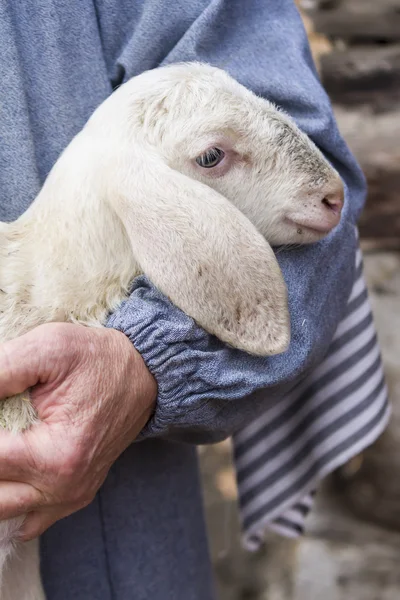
(36, 523)
(20, 454)
(39, 520)
(17, 499)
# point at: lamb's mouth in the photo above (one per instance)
(314, 227)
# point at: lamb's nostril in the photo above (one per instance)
(334, 202)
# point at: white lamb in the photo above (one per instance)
(181, 174)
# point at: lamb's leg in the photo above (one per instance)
(21, 577)
(19, 562)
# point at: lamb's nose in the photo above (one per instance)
(334, 201)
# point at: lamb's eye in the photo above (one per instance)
(210, 158)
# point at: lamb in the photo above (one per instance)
(188, 177)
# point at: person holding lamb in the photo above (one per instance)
(109, 476)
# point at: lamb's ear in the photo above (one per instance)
(205, 255)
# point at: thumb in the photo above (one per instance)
(26, 361)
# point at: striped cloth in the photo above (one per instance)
(332, 415)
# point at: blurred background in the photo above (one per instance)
(352, 546)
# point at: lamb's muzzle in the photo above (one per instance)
(324, 209)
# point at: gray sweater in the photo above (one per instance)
(59, 60)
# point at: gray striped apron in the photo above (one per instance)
(328, 418)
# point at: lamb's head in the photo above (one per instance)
(209, 127)
(259, 159)
(201, 173)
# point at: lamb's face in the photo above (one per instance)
(253, 154)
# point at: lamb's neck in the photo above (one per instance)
(69, 262)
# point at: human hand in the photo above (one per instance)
(93, 394)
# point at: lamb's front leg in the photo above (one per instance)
(19, 562)
(21, 577)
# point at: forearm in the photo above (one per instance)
(202, 384)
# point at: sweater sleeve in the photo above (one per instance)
(206, 390)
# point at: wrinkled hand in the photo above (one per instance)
(93, 394)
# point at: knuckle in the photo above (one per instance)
(55, 337)
(59, 337)
(62, 343)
